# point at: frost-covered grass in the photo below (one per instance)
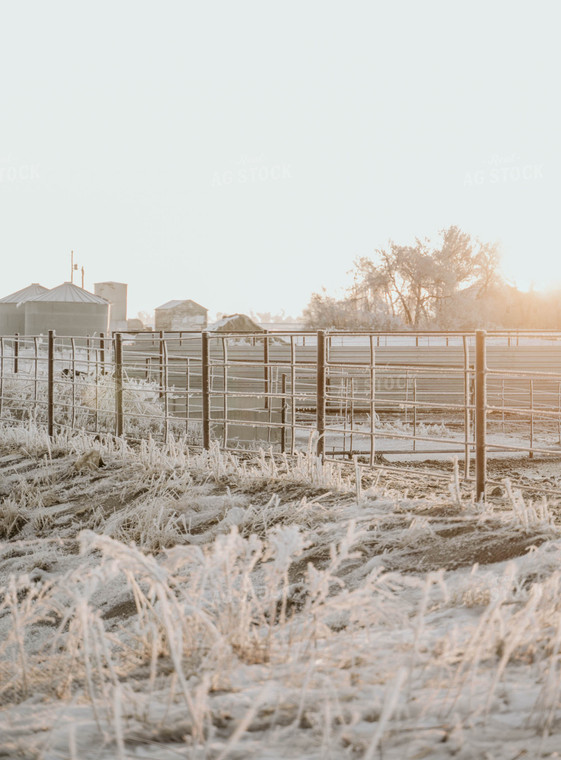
(87, 402)
(174, 603)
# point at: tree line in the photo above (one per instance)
(454, 283)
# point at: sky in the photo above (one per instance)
(244, 154)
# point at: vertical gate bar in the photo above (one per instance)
(187, 390)
(205, 389)
(480, 414)
(283, 413)
(50, 384)
(320, 392)
(165, 384)
(352, 418)
(73, 378)
(161, 363)
(35, 373)
(406, 405)
(266, 369)
(467, 416)
(372, 400)
(102, 352)
(273, 387)
(292, 395)
(2, 375)
(414, 414)
(503, 404)
(558, 411)
(118, 385)
(225, 384)
(16, 354)
(346, 418)
(531, 454)
(96, 389)
(147, 370)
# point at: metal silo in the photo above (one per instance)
(69, 310)
(12, 313)
(116, 294)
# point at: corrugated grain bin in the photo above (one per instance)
(69, 310)
(116, 294)
(12, 313)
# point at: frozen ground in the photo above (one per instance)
(189, 605)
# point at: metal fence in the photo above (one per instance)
(380, 399)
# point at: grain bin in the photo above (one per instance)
(116, 294)
(12, 313)
(69, 310)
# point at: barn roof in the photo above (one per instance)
(70, 293)
(173, 304)
(25, 294)
(235, 323)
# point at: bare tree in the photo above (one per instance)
(420, 282)
(448, 284)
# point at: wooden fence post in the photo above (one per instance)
(51, 384)
(320, 394)
(205, 389)
(480, 415)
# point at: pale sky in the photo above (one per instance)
(243, 154)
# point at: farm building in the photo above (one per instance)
(69, 310)
(236, 323)
(12, 314)
(181, 315)
(116, 294)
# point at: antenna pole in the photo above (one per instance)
(71, 266)
(82, 278)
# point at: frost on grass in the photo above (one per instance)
(175, 603)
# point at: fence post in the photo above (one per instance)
(118, 385)
(205, 389)
(102, 352)
(161, 364)
(467, 431)
(225, 389)
(372, 400)
(165, 384)
(16, 354)
(320, 395)
(480, 414)
(283, 413)
(266, 369)
(2, 379)
(51, 384)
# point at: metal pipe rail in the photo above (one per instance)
(276, 389)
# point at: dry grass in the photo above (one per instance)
(197, 603)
